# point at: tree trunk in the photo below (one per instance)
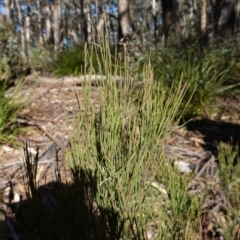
(48, 36)
(8, 7)
(101, 19)
(22, 32)
(56, 24)
(67, 23)
(88, 22)
(71, 29)
(154, 14)
(203, 21)
(225, 18)
(171, 17)
(237, 28)
(84, 22)
(124, 20)
(39, 19)
(76, 29)
(27, 26)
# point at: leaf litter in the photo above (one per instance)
(190, 148)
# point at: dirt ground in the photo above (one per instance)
(47, 120)
(49, 115)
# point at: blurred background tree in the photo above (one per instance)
(61, 23)
(34, 32)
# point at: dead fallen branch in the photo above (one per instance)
(68, 81)
(31, 122)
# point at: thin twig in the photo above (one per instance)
(205, 166)
(44, 92)
(53, 138)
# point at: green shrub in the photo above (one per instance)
(208, 72)
(228, 174)
(9, 52)
(9, 108)
(39, 58)
(5, 69)
(180, 213)
(79, 59)
(74, 60)
(116, 154)
(122, 140)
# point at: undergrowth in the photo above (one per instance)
(209, 72)
(9, 108)
(229, 170)
(78, 59)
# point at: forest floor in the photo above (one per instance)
(48, 119)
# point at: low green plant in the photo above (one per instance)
(116, 153)
(180, 213)
(10, 55)
(229, 171)
(74, 60)
(79, 59)
(9, 108)
(39, 59)
(118, 142)
(5, 70)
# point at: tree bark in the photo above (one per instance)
(76, 29)
(22, 32)
(84, 22)
(56, 24)
(154, 14)
(203, 21)
(124, 19)
(171, 17)
(8, 6)
(88, 22)
(101, 19)
(237, 27)
(27, 26)
(225, 18)
(39, 19)
(48, 24)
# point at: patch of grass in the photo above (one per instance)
(70, 61)
(118, 142)
(10, 55)
(5, 69)
(79, 59)
(74, 61)
(39, 59)
(180, 213)
(9, 108)
(229, 172)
